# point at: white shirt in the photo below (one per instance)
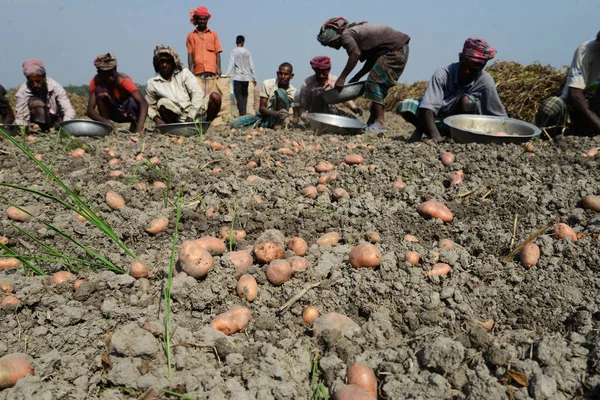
(57, 100)
(270, 86)
(584, 72)
(241, 66)
(182, 89)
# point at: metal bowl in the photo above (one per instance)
(465, 128)
(13, 129)
(85, 127)
(347, 93)
(184, 128)
(327, 123)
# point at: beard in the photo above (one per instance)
(41, 91)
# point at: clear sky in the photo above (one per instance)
(67, 35)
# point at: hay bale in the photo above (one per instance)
(78, 102)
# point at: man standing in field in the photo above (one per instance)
(41, 102)
(6, 114)
(579, 104)
(241, 69)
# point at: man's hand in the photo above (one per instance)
(283, 114)
(340, 83)
(355, 78)
(35, 127)
(359, 111)
(158, 121)
(188, 119)
(254, 83)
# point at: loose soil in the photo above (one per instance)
(423, 336)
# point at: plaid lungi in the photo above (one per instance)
(385, 74)
(553, 112)
(411, 106)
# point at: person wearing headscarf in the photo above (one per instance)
(578, 107)
(308, 98)
(6, 113)
(459, 88)
(384, 52)
(173, 94)
(41, 102)
(114, 96)
(241, 69)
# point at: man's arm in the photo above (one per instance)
(364, 70)
(427, 118)
(579, 103)
(137, 95)
(350, 65)
(219, 64)
(152, 101)
(191, 62)
(264, 110)
(231, 64)
(23, 116)
(91, 110)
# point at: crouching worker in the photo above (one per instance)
(6, 113)
(309, 98)
(174, 95)
(459, 88)
(578, 107)
(114, 96)
(276, 98)
(41, 102)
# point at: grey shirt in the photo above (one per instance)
(444, 90)
(241, 66)
(373, 40)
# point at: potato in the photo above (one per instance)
(9, 301)
(114, 200)
(298, 246)
(60, 277)
(353, 159)
(446, 244)
(232, 321)
(309, 314)
(159, 185)
(268, 251)
(329, 239)
(138, 270)
(114, 161)
(20, 215)
(591, 152)
(362, 375)
(216, 146)
(298, 264)
(439, 269)
(194, 259)
(254, 178)
(310, 192)
(324, 166)
(436, 209)
(7, 285)
(13, 367)
(352, 392)
(322, 189)
(4, 240)
(247, 287)
(252, 164)
(399, 185)
(339, 193)
(447, 158)
(323, 179)
(78, 283)
(372, 237)
(530, 255)
(157, 225)
(591, 202)
(563, 231)
(334, 321)
(456, 178)
(412, 257)
(410, 238)
(365, 255)
(116, 173)
(498, 133)
(285, 150)
(78, 153)
(154, 161)
(279, 271)
(241, 259)
(237, 234)
(213, 245)
(9, 262)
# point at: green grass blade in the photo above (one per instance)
(26, 264)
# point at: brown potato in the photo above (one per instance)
(324, 166)
(436, 209)
(78, 153)
(114, 200)
(298, 246)
(138, 270)
(322, 189)
(339, 193)
(267, 251)
(446, 244)
(4, 240)
(329, 239)
(309, 314)
(411, 238)
(20, 215)
(60, 277)
(194, 259)
(78, 283)
(563, 231)
(159, 185)
(157, 225)
(353, 159)
(242, 260)
(9, 262)
(213, 245)
(530, 255)
(7, 285)
(9, 301)
(447, 158)
(323, 179)
(298, 264)
(217, 146)
(352, 392)
(412, 257)
(365, 255)
(310, 192)
(372, 237)
(399, 185)
(13, 367)
(439, 269)
(232, 321)
(247, 287)
(279, 271)
(591, 202)
(362, 375)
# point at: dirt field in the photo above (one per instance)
(423, 336)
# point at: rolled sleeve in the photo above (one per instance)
(151, 99)
(433, 99)
(22, 116)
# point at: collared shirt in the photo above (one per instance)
(183, 90)
(120, 90)
(444, 90)
(270, 86)
(584, 72)
(304, 95)
(204, 47)
(241, 66)
(57, 102)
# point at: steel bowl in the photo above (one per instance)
(465, 128)
(184, 128)
(85, 127)
(13, 129)
(327, 123)
(347, 93)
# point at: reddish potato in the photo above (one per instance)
(279, 272)
(324, 166)
(78, 283)
(242, 260)
(591, 152)
(298, 264)
(310, 192)
(114, 161)
(323, 179)
(298, 246)
(309, 314)
(268, 251)
(352, 392)
(447, 158)
(329, 239)
(138, 270)
(252, 164)
(353, 159)
(247, 287)
(334, 321)
(21, 214)
(322, 189)
(8, 301)
(154, 161)
(563, 231)
(116, 173)
(13, 367)
(60, 277)
(339, 193)
(362, 375)
(194, 259)
(114, 200)
(530, 255)
(410, 238)
(412, 257)
(159, 185)
(365, 255)
(372, 237)
(157, 225)
(78, 153)
(7, 285)
(9, 262)
(213, 245)
(216, 146)
(439, 269)
(4, 240)
(456, 178)
(232, 321)
(436, 209)
(399, 185)
(591, 203)
(446, 244)
(237, 234)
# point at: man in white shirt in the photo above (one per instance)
(579, 104)
(241, 69)
(173, 94)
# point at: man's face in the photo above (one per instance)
(108, 76)
(336, 44)
(36, 83)
(166, 66)
(201, 22)
(468, 70)
(322, 75)
(284, 75)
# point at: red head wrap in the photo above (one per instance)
(321, 63)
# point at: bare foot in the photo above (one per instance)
(415, 137)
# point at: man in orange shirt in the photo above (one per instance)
(204, 53)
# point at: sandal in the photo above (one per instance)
(374, 129)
